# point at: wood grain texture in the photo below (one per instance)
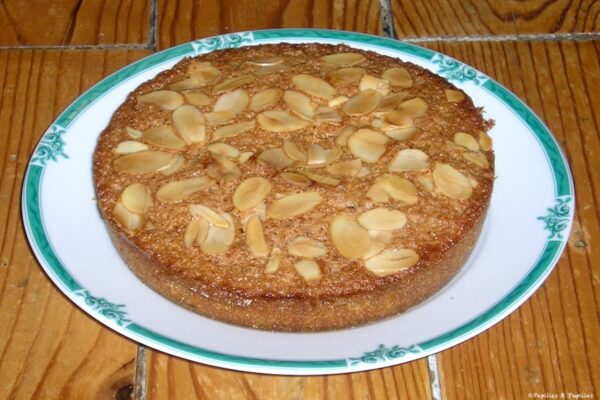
(73, 22)
(551, 343)
(173, 378)
(184, 20)
(48, 348)
(489, 17)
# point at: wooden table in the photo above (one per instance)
(546, 52)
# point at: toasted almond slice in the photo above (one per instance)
(398, 77)
(265, 98)
(299, 103)
(308, 269)
(173, 166)
(400, 189)
(315, 154)
(367, 144)
(219, 239)
(128, 221)
(451, 182)
(255, 237)
(414, 107)
(276, 158)
(399, 119)
(191, 232)
(400, 134)
(233, 83)
(219, 118)
(233, 129)
(454, 96)
(264, 62)
(342, 139)
(259, 210)
(349, 238)
(485, 141)
(362, 103)
(224, 150)
(332, 155)
(377, 193)
(130, 146)
(134, 133)
(251, 192)
(136, 198)
(453, 147)
(370, 82)
(391, 261)
(143, 162)
(364, 171)
(203, 73)
(409, 160)
(390, 102)
(467, 141)
(345, 168)
(426, 181)
(295, 179)
(293, 205)
(326, 114)
(203, 227)
(163, 136)
(185, 84)
(345, 76)
(379, 123)
(382, 219)
(378, 241)
(189, 123)
(303, 246)
(477, 158)
(235, 101)
(167, 99)
(337, 101)
(274, 260)
(375, 248)
(294, 151)
(212, 216)
(270, 69)
(280, 121)
(197, 98)
(227, 168)
(314, 86)
(245, 156)
(343, 59)
(179, 190)
(321, 179)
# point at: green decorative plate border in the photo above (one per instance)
(50, 149)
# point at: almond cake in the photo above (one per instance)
(295, 187)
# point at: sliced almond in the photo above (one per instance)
(400, 189)
(265, 98)
(251, 192)
(233, 129)
(454, 96)
(203, 227)
(174, 166)
(400, 134)
(276, 158)
(453, 147)
(270, 69)
(130, 146)
(295, 179)
(274, 260)
(299, 103)
(345, 76)
(259, 210)
(255, 237)
(136, 198)
(167, 99)
(293, 205)
(179, 190)
(225, 168)
(364, 171)
(235, 101)
(409, 160)
(399, 119)
(203, 73)
(451, 182)
(485, 141)
(321, 179)
(264, 62)
(367, 144)
(196, 232)
(280, 121)
(128, 221)
(233, 83)
(345, 168)
(326, 114)
(308, 269)
(467, 141)
(337, 101)
(349, 238)
(414, 107)
(314, 86)
(185, 84)
(477, 158)
(426, 181)
(224, 150)
(143, 162)
(303, 246)
(315, 154)
(370, 82)
(163, 136)
(219, 117)
(379, 239)
(342, 139)
(212, 216)
(294, 151)
(219, 239)
(343, 59)
(398, 77)
(362, 103)
(391, 261)
(245, 156)
(382, 219)
(197, 98)
(189, 124)
(390, 102)
(134, 133)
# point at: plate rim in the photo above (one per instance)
(49, 148)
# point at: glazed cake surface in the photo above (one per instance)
(296, 187)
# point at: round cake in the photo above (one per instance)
(295, 187)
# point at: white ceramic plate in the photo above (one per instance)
(529, 219)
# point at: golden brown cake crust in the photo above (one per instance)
(232, 285)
